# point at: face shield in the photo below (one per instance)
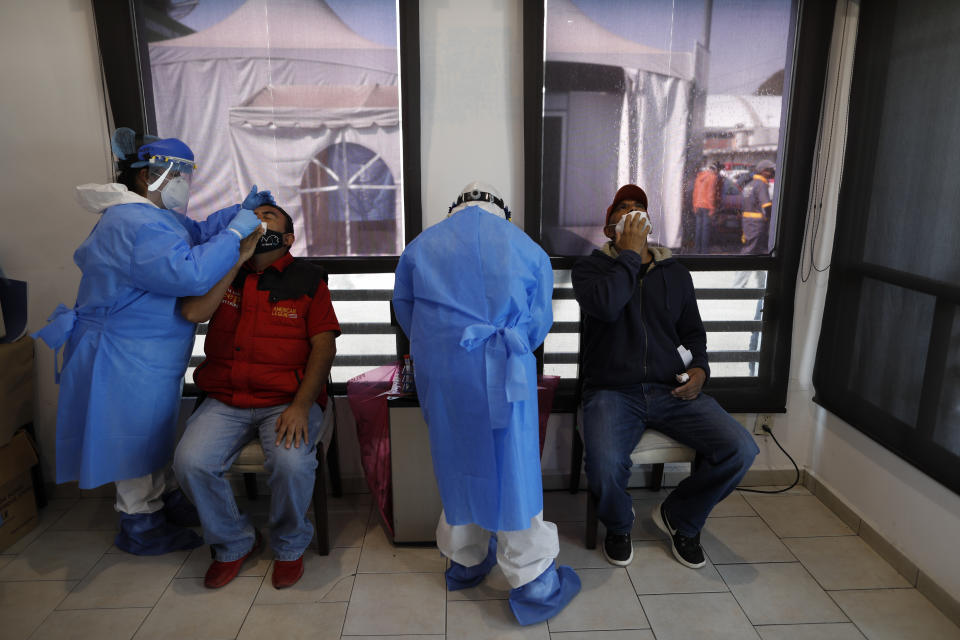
(171, 176)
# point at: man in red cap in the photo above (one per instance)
(644, 354)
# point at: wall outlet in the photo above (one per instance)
(762, 419)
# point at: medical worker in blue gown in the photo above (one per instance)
(473, 293)
(126, 346)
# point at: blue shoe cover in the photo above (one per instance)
(179, 510)
(149, 534)
(461, 577)
(546, 596)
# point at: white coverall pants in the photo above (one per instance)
(144, 494)
(522, 555)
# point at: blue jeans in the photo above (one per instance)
(614, 420)
(215, 434)
(703, 230)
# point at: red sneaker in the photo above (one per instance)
(286, 572)
(221, 573)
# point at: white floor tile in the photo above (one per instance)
(742, 539)
(607, 601)
(780, 593)
(895, 614)
(845, 562)
(123, 580)
(838, 631)
(313, 621)
(102, 624)
(59, 555)
(793, 516)
(25, 605)
(489, 620)
(380, 555)
(716, 616)
(632, 634)
(189, 611)
(655, 570)
(397, 603)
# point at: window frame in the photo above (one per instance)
(123, 67)
(811, 48)
(848, 272)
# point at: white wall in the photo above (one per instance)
(471, 101)
(54, 137)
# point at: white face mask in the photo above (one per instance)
(175, 194)
(627, 216)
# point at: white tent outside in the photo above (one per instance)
(641, 138)
(199, 78)
(279, 132)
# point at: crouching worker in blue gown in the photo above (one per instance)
(125, 344)
(473, 293)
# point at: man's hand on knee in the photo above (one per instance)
(291, 426)
(691, 389)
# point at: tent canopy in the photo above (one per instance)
(278, 28)
(574, 37)
(332, 106)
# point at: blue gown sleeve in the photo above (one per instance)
(403, 293)
(541, 303)
(163, 263)
(202, 230)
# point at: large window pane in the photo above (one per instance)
(887, 364)
(912, 220)
(297, 96)
(947, 430)
(651, 93)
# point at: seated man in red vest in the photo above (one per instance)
(269, 347)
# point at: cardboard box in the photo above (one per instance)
(16, 386)
(18, 507)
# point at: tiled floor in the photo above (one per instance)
(780, 567)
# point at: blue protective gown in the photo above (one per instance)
(473, 293)
(126, 344)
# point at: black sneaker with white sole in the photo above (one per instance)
(618, 549)
(687, 551)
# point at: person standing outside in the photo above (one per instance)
(706, 201)
(757, 206)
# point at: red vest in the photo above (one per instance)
(258, 340)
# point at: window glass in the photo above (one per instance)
(731, 307)
(682, 97)
(947, 430)
(300, 97)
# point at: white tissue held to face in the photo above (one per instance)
(263, 225)
(623, 220)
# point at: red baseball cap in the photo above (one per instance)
(627, 192)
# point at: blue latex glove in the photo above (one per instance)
(244, 223)
(256, 198)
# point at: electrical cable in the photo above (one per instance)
(796, 480)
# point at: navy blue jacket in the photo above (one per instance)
(633, 323)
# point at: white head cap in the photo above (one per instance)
(483, 195)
